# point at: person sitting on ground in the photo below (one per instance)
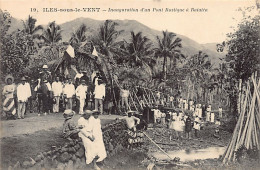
(69, 130)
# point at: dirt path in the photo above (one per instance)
(33, 123)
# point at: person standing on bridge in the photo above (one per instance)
(124, 92)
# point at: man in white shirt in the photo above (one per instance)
(131, 121)
(23, 93)
(81, 92)
(99, 92)
(57, 90)
(69, 92)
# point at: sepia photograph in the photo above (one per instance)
(129, 84)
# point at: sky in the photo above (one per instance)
(210, 25)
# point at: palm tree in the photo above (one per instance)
(106, 39)
(31, 28)
(52, 35)
(198, 72)
(139, 50)
(80, 35)
(168, 47)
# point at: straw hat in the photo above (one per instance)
(88, 112)
(96, 112)
(69, 112)
(44, 66)
(9, 77)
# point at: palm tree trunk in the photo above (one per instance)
(164, 67)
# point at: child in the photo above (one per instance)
(69, 130)
(216, 134)
(196, 128)
(179, 126)
(188, 127)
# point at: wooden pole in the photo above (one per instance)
(138, 100)
(157, 146)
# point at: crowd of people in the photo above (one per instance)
(188, 116)
(52, 94)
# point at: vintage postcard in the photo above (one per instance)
(129, 84)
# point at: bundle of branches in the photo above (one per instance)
(247, 130)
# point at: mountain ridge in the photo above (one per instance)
(189, 46)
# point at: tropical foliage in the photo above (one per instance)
(244, 47)
(31, 28)
(79, 36)
(52, 35)
(133, 61)
(168, 47)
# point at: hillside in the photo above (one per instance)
(190, 47)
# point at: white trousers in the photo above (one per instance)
(81, 105)
(56, 104)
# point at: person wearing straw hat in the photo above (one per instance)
(81, 93)
(69, 130)
(86, 134)
(45, 74)
(22, 97)
(8, 93)
(98, 135)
